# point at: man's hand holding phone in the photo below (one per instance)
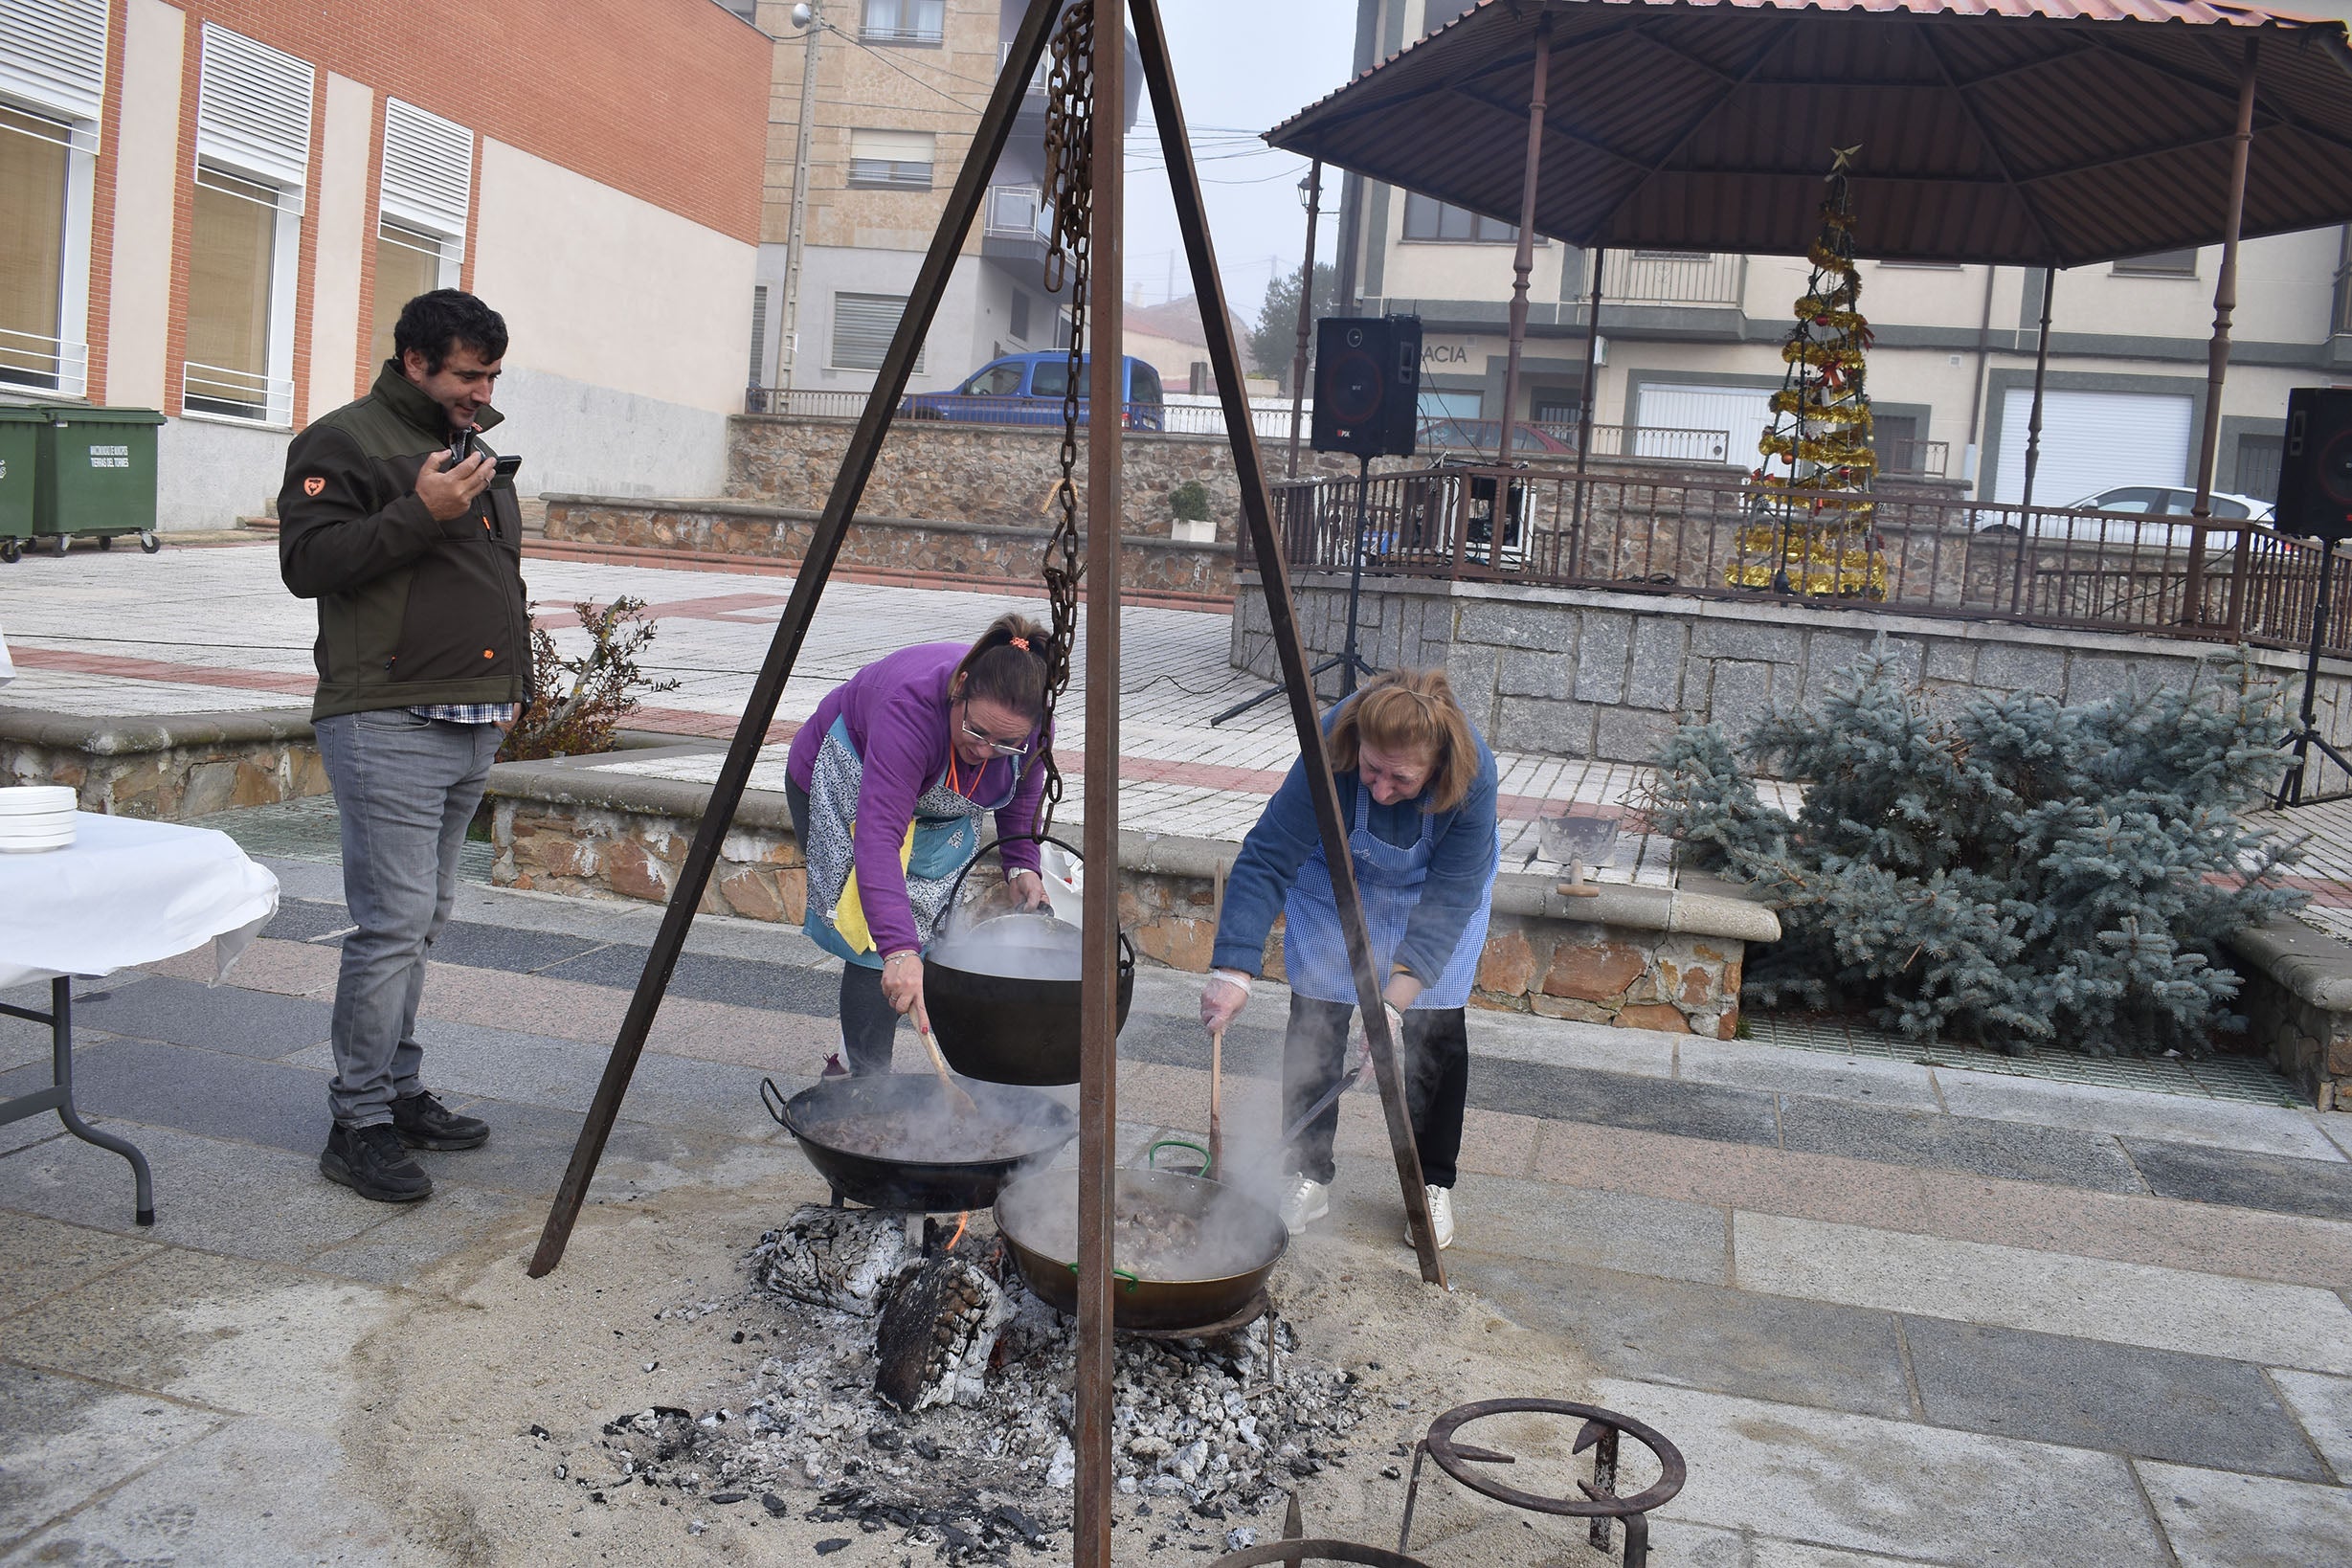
(449, 492)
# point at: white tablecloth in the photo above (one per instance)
(128, 892)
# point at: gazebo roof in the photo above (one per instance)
(2030, 132)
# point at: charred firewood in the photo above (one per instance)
(845, 1259)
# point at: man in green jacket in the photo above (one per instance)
(403, 526)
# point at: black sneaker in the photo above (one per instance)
(425, 1123)
(372, 1162)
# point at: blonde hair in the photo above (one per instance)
(1412, 712)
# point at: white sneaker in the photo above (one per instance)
(1304, 1202)
(1441, 1218)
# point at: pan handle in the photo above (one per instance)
(1151, 1155)
(1127, 1274)
(773, 1098)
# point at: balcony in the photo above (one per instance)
(41, 363)
(1674, 277)
(213, 391)
(1036, 79)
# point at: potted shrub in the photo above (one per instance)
(1189, 504)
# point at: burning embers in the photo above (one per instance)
(919, 1387)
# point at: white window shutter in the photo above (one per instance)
(53, 53)
(427, 171)
(253, 110)
(894, 146)
(862, 327)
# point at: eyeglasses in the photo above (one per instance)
(1002, 749)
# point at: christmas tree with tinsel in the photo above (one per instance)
(1809, 526)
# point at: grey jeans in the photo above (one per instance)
(407, 787)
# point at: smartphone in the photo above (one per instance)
(505, 466)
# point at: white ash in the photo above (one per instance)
(845, 1259)
(1205, 1432)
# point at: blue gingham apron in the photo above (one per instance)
(1388, 878)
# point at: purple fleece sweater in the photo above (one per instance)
(899, 718)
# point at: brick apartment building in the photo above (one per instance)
(217, 208)
(899, 87)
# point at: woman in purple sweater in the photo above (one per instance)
(889, 781)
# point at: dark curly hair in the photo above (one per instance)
(436, 322)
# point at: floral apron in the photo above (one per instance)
(944, 838)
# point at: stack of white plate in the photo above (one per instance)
(35, 817)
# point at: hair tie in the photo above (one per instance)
(1021, 642)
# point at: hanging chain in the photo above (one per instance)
(1070, 198)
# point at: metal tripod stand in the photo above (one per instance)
(2306, 734)
(1349, 661)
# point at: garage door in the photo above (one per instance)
(1667, 409)
(2092, 441)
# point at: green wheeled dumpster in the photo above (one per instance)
(96, 475)
(20, 461)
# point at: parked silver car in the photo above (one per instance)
(2138, 500)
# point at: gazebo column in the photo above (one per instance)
(2217, 357)
(2033, 447)
(1585, 408)
(1523, 261)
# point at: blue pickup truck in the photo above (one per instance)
(1027, 389)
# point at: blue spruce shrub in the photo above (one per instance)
(2014, 873)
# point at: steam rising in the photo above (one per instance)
(1018, 946)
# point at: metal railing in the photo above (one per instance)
(1270, 417)
(1915, 459)
(1674, 278)
(1036, 78)
(1015, 212)
(217, 393)
(45, 364)
(1549, 439)
(2052, 566)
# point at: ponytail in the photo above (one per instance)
(1007, 667)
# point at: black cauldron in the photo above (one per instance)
(1016, 1022)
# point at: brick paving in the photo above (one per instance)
(1894, 1313)
(207, 630)
(1895, 1310)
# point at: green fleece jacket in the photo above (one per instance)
(413, 611)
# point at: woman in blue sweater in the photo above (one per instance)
(1417, 787)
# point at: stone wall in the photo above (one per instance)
(1003, 474)
(166, 770)
(1633, 957)
(1592, 673)
(2297, 1002)
(960, 553)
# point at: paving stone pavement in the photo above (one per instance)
(1892, 1312)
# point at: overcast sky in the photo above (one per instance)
(1242, 65)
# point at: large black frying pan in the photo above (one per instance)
(1240, 1243)
(1011, 1028)
(899, 1141)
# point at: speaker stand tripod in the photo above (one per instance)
(2306, 734)
(1349, 661)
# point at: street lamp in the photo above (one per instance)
(807, 17)
(1310, 197)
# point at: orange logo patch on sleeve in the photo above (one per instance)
(312, 486)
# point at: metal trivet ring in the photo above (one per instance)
(1252, 1310)
(1599, 1503)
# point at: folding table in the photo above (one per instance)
(125, 893)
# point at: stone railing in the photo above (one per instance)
(166, 769)
(894, 549)
(1639, 957)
